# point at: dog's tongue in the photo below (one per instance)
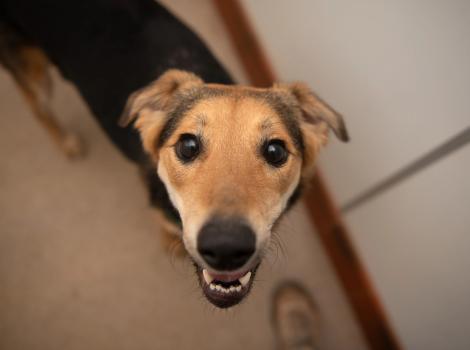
(227, 277)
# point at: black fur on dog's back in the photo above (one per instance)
(108, 49)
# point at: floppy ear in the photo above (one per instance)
(317, 118)
(316, 111)
(148, 106)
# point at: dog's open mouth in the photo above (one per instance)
(226, 290)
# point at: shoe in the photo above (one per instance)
(295, 317)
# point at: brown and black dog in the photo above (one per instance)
(222, 162)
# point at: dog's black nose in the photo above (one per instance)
(226, 244)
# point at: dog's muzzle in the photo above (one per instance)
(227, 246)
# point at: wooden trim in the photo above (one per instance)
(335, 238)
(323, 211)
(257, 66)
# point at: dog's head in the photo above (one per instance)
(232, 159)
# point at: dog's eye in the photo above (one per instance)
(188, 147)
(275, 153)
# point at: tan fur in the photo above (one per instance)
(150, 124)
(315, 110)
(170, 236)
(236, 178)
(158, 95)
(29, 67)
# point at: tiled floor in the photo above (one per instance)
(81, 265)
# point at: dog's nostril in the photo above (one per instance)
(208, 254)
(242, 255)
(226, 244)
(209, 257)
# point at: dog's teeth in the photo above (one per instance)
(212, 286)
(219, 288)
(232, 289)
(238, 288)
(245, 279)
(207, 277)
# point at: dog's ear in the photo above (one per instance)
(315, 111)
(148, 106)
(158, 94)
(317, 118)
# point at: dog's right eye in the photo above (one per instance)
(187, 148)
(275, 153)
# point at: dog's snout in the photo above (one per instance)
(226, 244)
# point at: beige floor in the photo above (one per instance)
(81, 266)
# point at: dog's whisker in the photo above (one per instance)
(280, 243)
(173, 249)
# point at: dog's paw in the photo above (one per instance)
(73, 147)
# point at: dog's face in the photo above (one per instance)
(232, 159)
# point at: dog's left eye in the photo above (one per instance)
(188, 147)
(275, 153)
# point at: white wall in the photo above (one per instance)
(400, 73)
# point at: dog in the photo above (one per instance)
(222, 162)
